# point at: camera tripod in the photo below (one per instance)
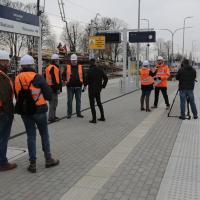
(188, 116)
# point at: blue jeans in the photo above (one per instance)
(184, 95)
(71, 91)
(30, 122)
(5, 129)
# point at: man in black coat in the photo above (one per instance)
(96, 80)
(186, 76)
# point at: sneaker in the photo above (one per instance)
(7, 166)
(195, 117)
(154, 106)
(148, 110)
(80, 116)
(93, 121)
(32, 167)
(142, 109)
(181, 117)
(51, 163)
(102, 119)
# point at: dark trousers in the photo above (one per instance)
(92, 97)
(145, 96)
(164, 93)
(5, 128)
(71, 91)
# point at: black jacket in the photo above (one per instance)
(96, 79)
(40, 82)
(186, 76)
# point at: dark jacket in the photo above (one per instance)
(74, 79)
(6, 95)
(55, 87)
(96, 79)
(40, 82)
(186, 76)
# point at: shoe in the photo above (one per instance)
(195, 117)
(154, 107)
(148, 110)
(167, 107)
(32, 167)
(69, 117)
(57, 118)
(80, 116)
(51, 120)
(102, 119)
(142, 109)
(7, 166)
(181, 117)
(51, 163)
(93, 121)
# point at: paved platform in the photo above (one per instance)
(129, 157)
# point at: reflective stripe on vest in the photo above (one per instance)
(26, 78)
(11, 85)
(69, 72)
(145, 78)
(48, 75)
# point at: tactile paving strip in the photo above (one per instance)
(182, 177)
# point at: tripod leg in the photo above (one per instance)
(172, 104)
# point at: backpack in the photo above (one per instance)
(25, 104)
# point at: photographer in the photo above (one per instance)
(186, 76)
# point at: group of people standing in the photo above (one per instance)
(30, 88)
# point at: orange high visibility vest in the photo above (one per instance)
(26, 78)
(11, 85)
(48, 75)
(164, 73)
(69, 72)
(145, 78)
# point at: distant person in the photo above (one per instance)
(96, 81)
(54, 81)
(32, 92)
(162, 73)
(186, 76)
(6, 110)
(147, 81)
(74, 79)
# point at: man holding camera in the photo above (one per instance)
(162, 73)
(186, 76)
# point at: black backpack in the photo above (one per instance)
(25, 104)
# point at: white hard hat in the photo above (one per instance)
(145, 63)
(73, 57)
(4, 55)
(160, 58)
(55, 57)
(27, 60)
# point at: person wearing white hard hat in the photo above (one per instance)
(162, 74)
(147, 81)
(74, 79)
(6, 110)
(30, 85)
(53, 79)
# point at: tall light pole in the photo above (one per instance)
(147, 56)
(172, 34)
(138, 45)
(184, 33)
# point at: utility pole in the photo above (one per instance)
(39, 39)
(138, 46)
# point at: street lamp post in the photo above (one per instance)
(184, 33)
(172, 34)
(147, 55)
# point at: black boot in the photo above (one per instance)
(32, 167)
(142, 103)
(93, 121)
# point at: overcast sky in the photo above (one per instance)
(161, 13)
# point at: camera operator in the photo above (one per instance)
(186, 76)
